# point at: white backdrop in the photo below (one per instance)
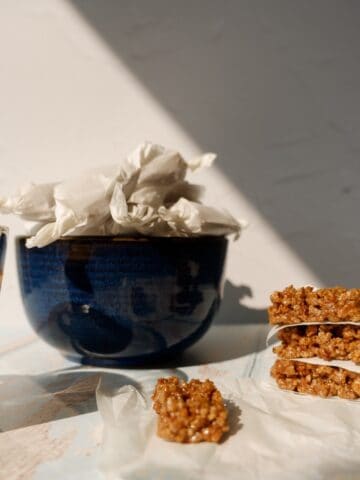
(273, 87)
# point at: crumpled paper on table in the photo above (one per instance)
(274, 435)
(146, 194)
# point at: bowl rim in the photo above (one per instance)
(120, 239)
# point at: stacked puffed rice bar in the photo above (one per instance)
(319, 333)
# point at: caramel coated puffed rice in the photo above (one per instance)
(329, 342)
(320, 380)
(190, 412)
(306, 304)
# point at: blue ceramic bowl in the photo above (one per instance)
(3, 241)
(114, 301)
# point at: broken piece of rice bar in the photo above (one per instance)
(329, 342)
(306, 304)
(321, 380)
(190, 412)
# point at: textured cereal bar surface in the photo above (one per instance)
(190, 412)
(305, 304)
(329, 342)
(320, 380)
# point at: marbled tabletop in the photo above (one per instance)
(49, 424)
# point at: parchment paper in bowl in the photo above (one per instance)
(145, 194)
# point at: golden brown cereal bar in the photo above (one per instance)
(320, 380)
(306, 304)
(189, 412)
(329, 342)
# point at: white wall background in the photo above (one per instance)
(272, 86)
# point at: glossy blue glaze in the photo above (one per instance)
(111, 301)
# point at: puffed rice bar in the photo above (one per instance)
(320, 380)
(189, 412)
(329, 342)
(306, 304)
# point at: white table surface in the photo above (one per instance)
(48, 409)
(274, 89)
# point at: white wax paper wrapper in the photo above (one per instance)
(274, 435)
(347, 364)
(275, 329)
(146, 194)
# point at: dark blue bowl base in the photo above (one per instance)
(145, 359)
(100, 301)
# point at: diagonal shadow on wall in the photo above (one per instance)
(274, 87)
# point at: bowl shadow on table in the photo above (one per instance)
(28, 400)
(34, 399)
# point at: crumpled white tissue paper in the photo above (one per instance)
(274, 435)
(145, 194)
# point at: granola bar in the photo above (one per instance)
(306, 304)
(189, 412)
(324, 381)
(329, 342)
